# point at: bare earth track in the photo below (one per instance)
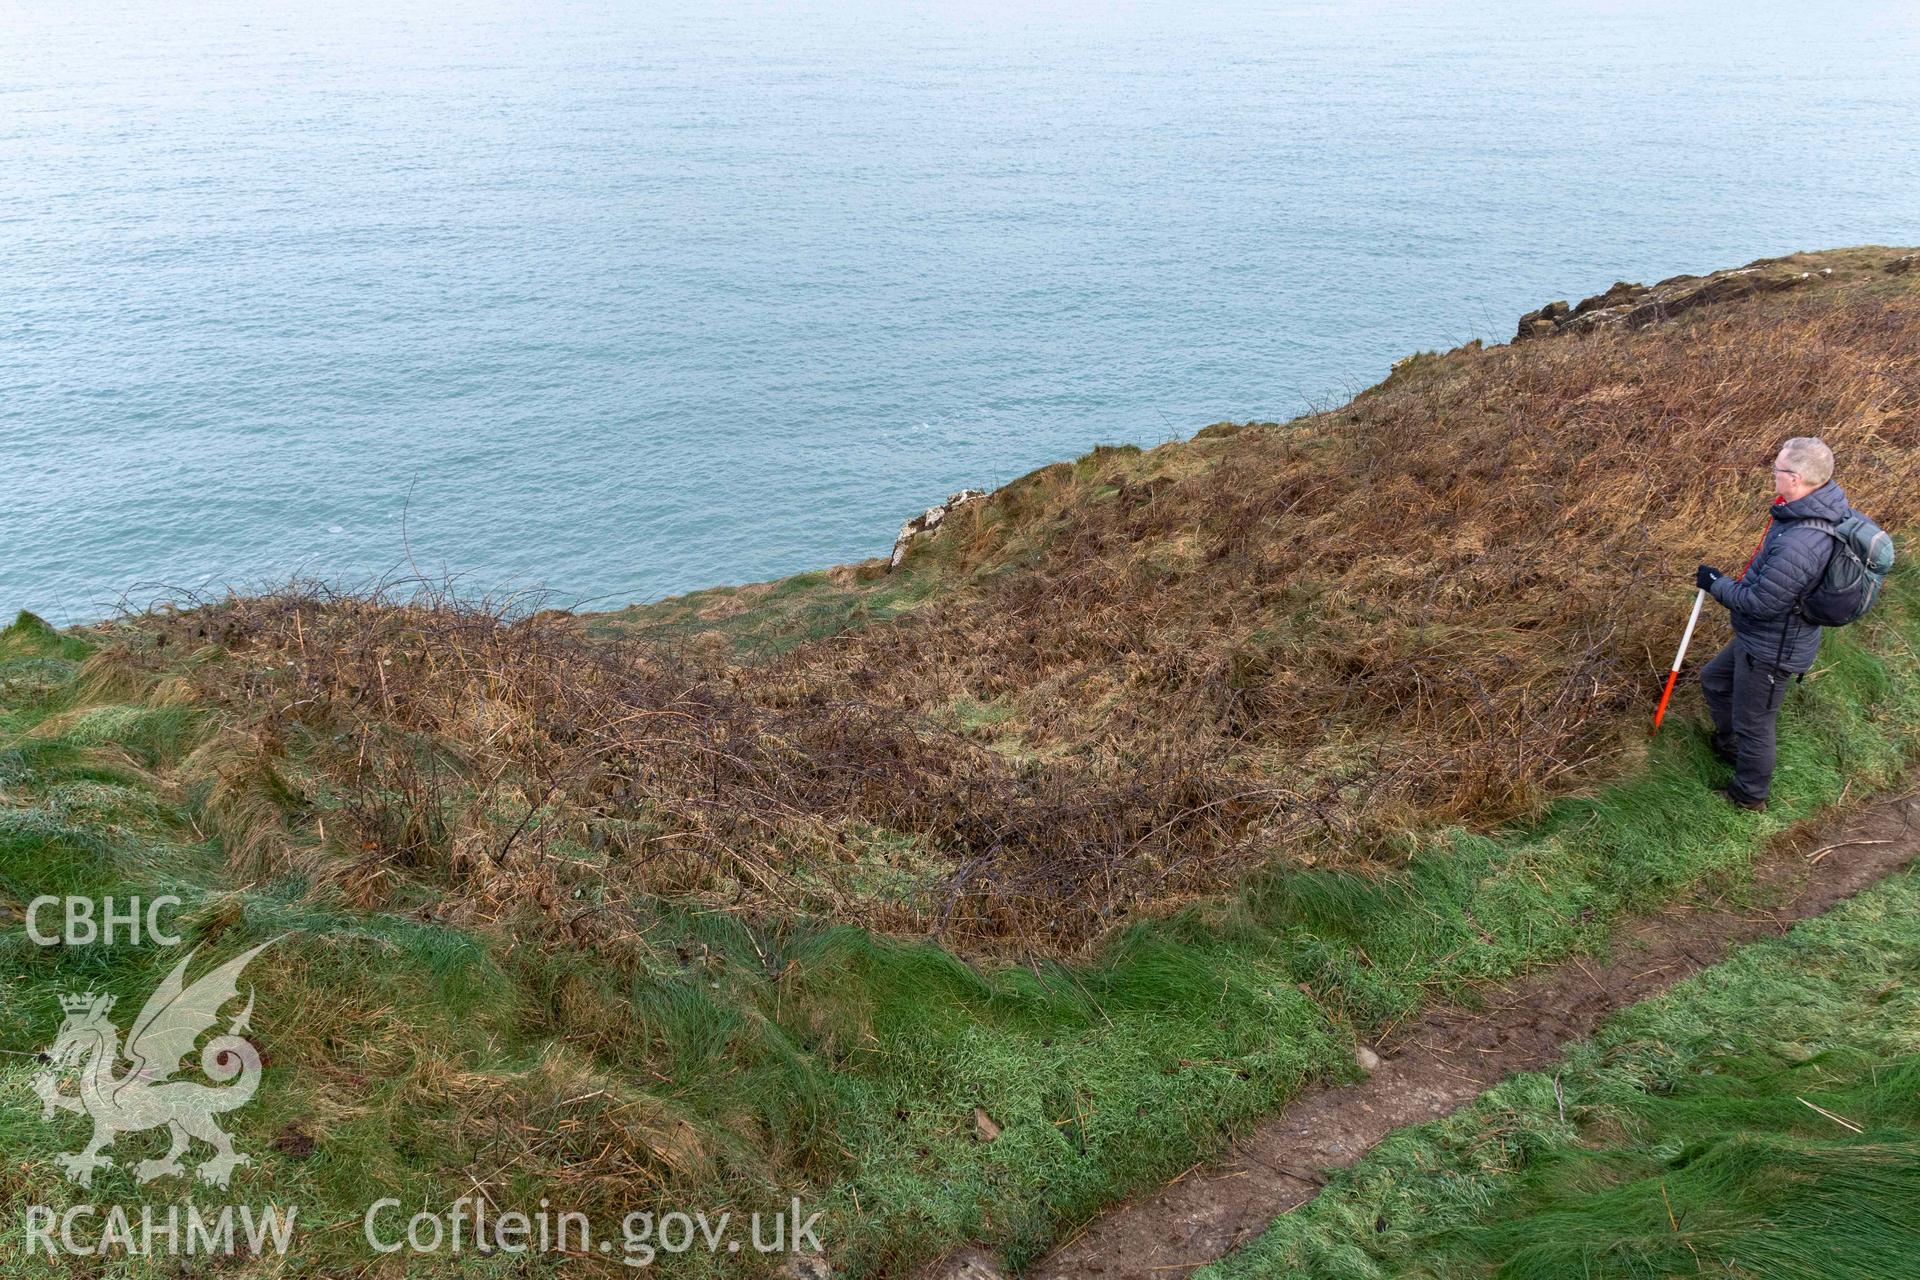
(1452, 1055)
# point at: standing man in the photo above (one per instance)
(1747, 681)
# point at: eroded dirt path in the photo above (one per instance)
(1452, 1055)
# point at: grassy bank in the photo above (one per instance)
(1761, 1119)
(732, 1063)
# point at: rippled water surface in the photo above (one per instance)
(638, 297)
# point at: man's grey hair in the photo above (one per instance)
(1809, 457)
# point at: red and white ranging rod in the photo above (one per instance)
(1686, 638)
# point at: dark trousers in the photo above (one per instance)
(1744, 698)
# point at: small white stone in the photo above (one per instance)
(1367, 1059)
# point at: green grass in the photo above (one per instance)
(1687, 1147)
(765, 620)
(734, 1062)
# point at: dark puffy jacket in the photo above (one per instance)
(1764, 603)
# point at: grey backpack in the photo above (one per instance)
(1862, 558)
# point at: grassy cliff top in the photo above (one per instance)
(1195, 754)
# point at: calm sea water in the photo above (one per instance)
(633, 298)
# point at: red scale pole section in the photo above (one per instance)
(1686, 637)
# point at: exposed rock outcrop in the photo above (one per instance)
(1637, 305)
(929, 520)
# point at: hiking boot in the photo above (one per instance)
(1739, 801)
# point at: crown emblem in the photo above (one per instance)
(86, 1003)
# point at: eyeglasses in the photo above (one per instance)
(1782, 471)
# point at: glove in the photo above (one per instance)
(1705, 576)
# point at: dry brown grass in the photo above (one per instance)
(1445, 601)
(391, 741)
(1449, 597)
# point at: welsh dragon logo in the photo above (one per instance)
(145, 1096)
